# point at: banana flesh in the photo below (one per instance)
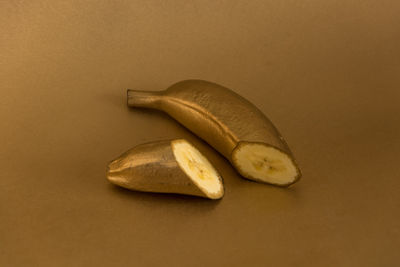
(264, 163)
(197, 167)
(230, 124)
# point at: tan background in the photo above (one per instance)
(326, 72)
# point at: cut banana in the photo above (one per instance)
(166, 167)
(229, 123)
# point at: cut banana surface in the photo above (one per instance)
(264, 163)
(198, 168)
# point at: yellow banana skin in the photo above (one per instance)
(153, 167)
(222, 118)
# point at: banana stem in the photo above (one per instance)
(147, 99)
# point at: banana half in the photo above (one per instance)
(173, 166)
(229, 123)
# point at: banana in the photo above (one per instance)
(173, 166)
(230, 124)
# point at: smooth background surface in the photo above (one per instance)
(326, 72)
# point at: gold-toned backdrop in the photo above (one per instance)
(325, 72)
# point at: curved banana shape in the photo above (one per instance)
(229, 123)
(173, 166)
